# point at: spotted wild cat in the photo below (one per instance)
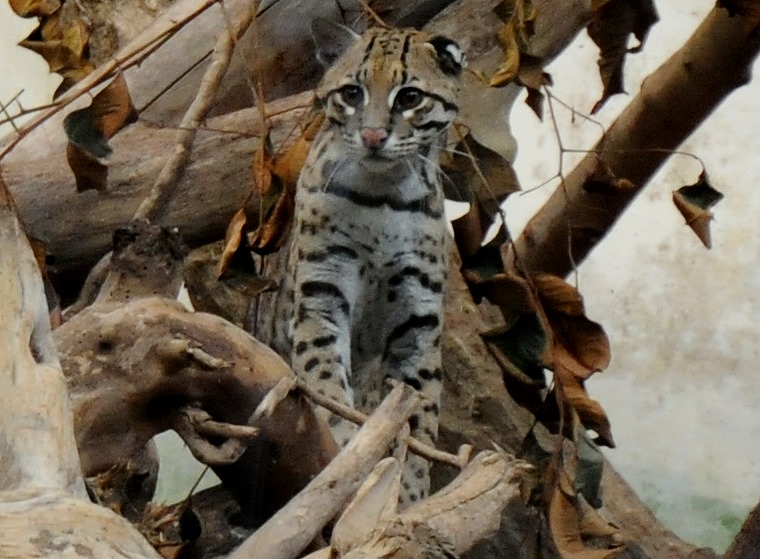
(368, 257)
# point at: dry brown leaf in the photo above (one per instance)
(592, 525)
(35, 8)
(88, 131)
(532, 76)
(612, 24)
(507, 70)
(519, 19)
(505, 290)
(288, 165)
(275, 178)
(64, 48)
(581, 344)
(694, 203)
(483, 178)
(56, 53)
(564, 520)
(590, 413)
(233, 237)
(578, 348)
(516, 355)
(90, 174)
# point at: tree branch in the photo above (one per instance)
(672, 102)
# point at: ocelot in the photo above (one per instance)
(363, 300)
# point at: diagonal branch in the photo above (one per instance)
(154, 204)
(673, 101)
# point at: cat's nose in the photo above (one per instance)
(374, 138)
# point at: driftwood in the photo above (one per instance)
(138, 363)
(447, 524)
(44, 511)
(475, 408)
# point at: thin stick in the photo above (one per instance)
(355, 416)
(155, 203)
(128, 57)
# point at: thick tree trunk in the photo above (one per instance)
(747, 542)
(672, 102)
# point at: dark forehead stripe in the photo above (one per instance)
(368, 50)
(404, 53)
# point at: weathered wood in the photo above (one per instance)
(291, 529)
(44, 511)
(446, 524)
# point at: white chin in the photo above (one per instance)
(377, 163)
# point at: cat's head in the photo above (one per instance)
(391, 93)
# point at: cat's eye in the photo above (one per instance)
(408, 98)
(352, 95)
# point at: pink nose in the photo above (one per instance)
(374, 138)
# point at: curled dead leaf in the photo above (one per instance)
(88, 131)
(35, 8)
(519, 21)
(275, 179)
(63, 46)
(565, 520)
(234, 238)
(575, 399)
(580, 344)
(483, 178)
(694, 203)
(612, 24)
(519, 350)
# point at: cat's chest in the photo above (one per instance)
(378, 235)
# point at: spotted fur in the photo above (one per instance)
(368, 257)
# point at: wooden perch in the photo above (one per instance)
(451, 521)
(134, 367)
(44, 511)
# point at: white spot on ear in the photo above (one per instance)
(456, 53)
(349, 110)
(409, 113)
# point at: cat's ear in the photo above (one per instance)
(450, 57)
(332, 39)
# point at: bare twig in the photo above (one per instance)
(9, 117)
(147, 43)
(274, 396)
(355, 416)
(187, 424)
(204, 425)
(155, 203)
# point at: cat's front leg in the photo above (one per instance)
(321, 350)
